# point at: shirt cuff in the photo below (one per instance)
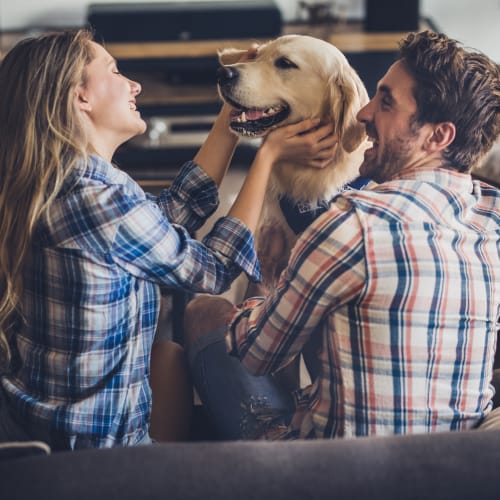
(231, 238)
(241, 313)
(197, 189)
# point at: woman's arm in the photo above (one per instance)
(217, 151)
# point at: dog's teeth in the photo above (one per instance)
(243, 117)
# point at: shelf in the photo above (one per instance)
(347, 37)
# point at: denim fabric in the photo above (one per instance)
(238, 404)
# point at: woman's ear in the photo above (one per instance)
(81, 99)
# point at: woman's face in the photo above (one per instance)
(108, 100)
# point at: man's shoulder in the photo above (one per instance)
(371, 195)
(488, 201)
(396, 200)
(487, 190)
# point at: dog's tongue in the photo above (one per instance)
(254, 114)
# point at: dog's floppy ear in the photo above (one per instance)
(230, 56)
(347, 96)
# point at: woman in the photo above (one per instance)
(84, 251)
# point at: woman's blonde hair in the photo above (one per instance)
(41, 139)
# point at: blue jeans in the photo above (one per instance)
(239, 405)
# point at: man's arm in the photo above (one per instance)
(326, 270)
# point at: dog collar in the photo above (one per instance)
(300, 215)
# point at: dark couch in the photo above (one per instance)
(455, 465)
(442, 466)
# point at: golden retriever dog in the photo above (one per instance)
(292, 78)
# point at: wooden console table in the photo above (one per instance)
(347, 37)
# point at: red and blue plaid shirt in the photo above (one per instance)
(91, 302)
(401, 283)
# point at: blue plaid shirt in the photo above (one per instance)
(81, 357)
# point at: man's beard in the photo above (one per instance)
(393, 158)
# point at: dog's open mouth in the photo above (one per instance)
(254, 122)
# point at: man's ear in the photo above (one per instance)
(81, 99)
(441, 136)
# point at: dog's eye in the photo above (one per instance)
(284, 63)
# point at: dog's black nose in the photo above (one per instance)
(225, 74)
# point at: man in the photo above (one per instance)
(398, 284)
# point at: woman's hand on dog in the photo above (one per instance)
(306, 143)
(250, 54)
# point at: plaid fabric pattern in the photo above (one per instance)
(400, 284)
(91, 303)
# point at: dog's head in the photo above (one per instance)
(292, 78)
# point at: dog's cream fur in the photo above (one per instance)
(311, 78)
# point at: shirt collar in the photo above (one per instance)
(444, 177)
(95, 168)
(98, 169)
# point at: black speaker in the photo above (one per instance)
(392, 15)
(184, 21)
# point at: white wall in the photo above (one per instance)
(475, 23)
(34, 13)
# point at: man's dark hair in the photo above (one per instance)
(458, 86)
